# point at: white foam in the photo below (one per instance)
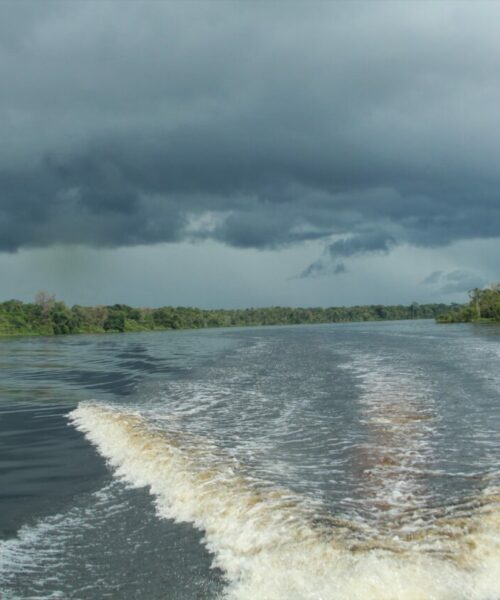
(275, 545)
(38, 555)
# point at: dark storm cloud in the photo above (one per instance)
(321, 267)
(358, 244)
(259, 125)
(373, 241)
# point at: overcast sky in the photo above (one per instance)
(249, 153)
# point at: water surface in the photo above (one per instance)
(331, 461)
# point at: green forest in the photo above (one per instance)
(483, 307)
(47, 316)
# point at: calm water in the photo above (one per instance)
(343, 462)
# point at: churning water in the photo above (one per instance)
(342, 462)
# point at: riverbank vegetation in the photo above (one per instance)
(483, 307)
(47, 316)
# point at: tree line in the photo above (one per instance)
(48, 316)
(483, 306)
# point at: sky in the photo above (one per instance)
(233, 154)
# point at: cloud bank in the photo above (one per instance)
(257, 125)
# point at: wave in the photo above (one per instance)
(274, 544)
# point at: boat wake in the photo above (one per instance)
(275, 544)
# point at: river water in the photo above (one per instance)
(343, 462)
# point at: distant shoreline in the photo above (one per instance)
(50, 317)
